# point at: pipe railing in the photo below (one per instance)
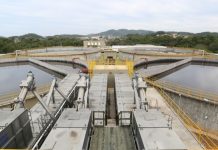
(198, 94)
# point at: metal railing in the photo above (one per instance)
(91, 65)
(187, 91)
(200, 135)
(125, 118)
(129, 64)
(5, 56)
(99, 118)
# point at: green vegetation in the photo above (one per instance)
(206, 41)
(31, 41)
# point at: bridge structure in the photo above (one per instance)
(162, 69)
(76, 109)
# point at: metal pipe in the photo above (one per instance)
(62, 94)
(140, 96)
(25, 86)
(34, 146)
(43, 105)
(51, 91)
(81, 92)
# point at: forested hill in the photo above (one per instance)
(121, 33)
(205, 40)
(29, 41)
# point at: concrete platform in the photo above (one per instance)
(70, 131)
(156, 100)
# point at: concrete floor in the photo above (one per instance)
(156, 100)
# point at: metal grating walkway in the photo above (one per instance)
(112, 138)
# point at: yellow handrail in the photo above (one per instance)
(91, 65)
(195, 93)
(188, 122)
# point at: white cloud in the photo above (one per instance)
(49, 17)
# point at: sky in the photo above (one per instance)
(51, 17)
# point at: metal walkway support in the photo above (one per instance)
(44, 114)
(29, 85)
(42, 123)
(26, 85)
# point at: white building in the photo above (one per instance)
(94, 43)
(138, 46)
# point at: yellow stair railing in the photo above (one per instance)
(130, 67)
(91, 65)
(129, 64)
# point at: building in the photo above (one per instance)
(94, 43)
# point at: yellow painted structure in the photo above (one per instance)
(111, 64)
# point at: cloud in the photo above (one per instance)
(49, 17)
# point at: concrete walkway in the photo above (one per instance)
(156, 100)
(163, 68)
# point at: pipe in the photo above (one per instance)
(25, 86)
(81, 92)
(139, 89)
(137, 99)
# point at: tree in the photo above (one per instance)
(201, 46)
(214, 47)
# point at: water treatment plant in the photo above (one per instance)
(112, 98)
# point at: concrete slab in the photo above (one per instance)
(156, 100)
(71, 131)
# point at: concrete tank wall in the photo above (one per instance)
(125, 56)
(92, 56)
(203, 113)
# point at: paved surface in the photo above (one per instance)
(112, 138)
(156, 100)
